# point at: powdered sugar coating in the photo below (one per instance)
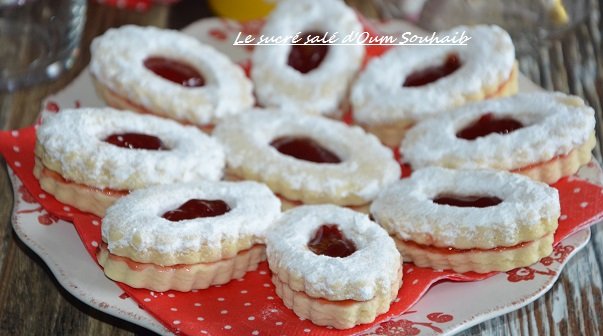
(371, 270)
(405, 209)
(118, 62)
(378, 96)
(137, 218)
(321, 90)
(555, 124)
(71, 143)
(366, 165)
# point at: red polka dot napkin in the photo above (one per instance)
(250, 306)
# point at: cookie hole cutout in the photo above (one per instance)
(467, 201)
(487, 124)
(304, 148)
(433, 73)
(175, 71)
(197, 208)
(136, 141)
(307, 57)
(330, 241)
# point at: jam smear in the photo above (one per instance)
(304, 148)
(471, 201)
(433, 73)
(307, 57)
(175, 71)
(197, 208)
(136, 141)
(488, 124)
(330, 241)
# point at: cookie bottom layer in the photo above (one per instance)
(475, 260)
(551, 171)
(183, 277)
(338, 314)
(392, 133)
(120, 102)
(82, 197)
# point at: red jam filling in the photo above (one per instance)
(452, 250)
(433, 73)
(136, 141)
(175, 71)
(304, 148)
(471, 201)
(488, 124)
(109, 192)
(197, 208)
(330, 241)
(307, 57)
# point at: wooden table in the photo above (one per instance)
(32, 302)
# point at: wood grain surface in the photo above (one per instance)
(32, 302)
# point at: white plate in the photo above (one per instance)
(438, 312)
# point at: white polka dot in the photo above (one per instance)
(42, 196)
(563, 217)
(255, 332)
(220, 299)
(247, 304)
(279, 323)
(415, 281)
(302, 319)
(194, 290)
(174, 309)
(17, 164)
(274, 310)
(270, 297)
(224, 312)
(200, 318)
(251, 318)
(94, 243)
(70, 215)
(409, 270)
(171, 295)
(95, 223)
(152, 293)
(204, 331)
(306, 330)
(263, 272)
(576, 190)
(176, 322)
(14, 133)
(146, 300)
(266, 285)
(197, 304)
(16, 149)
(583, 204)
(329, 327)
(243, 292)
(66, 208)
(227, 327)
(240, 279)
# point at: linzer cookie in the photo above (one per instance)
(305, 77)
(308, 159)
(469, 220)
(333, 266)
(408, 84)
(167, 73)
(187, 236)
(88, 158)
(545, 136)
